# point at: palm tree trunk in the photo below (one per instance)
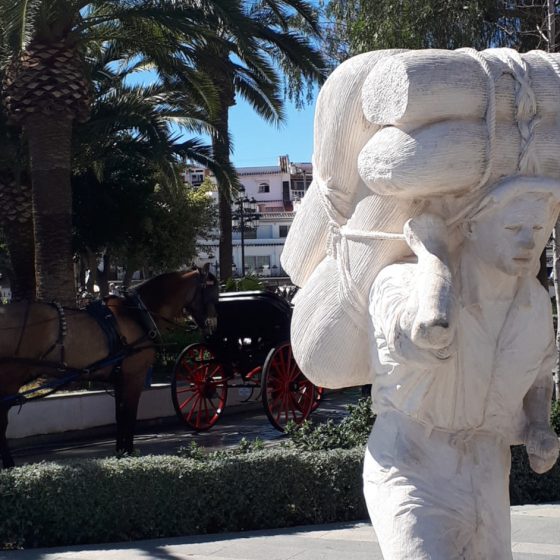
(226, 241)
(17, 224)
(50, 140)
(221, 147)
(20, 242)
(556, 268)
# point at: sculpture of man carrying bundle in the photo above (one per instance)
(437, 185)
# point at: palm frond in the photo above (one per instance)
(297, 50)
(264, 98)
(17, 22)
(280, 9)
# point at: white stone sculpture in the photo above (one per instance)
(418, 276)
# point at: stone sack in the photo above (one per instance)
(431, 130)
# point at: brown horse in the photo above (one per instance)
(45, 340)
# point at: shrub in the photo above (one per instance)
(172, 344)
(155, 496)
(555, 416)
(352, 431)
(247, 283)
(195, 451)
(527, 487)
(105, 500)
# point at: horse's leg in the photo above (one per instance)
(119, 412)
(128, 389)
(7, 460)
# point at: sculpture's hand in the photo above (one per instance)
(433, 323)
(542, 447)
(427, 235)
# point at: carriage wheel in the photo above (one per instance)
(199, 387)
(286, 393)
(319, 391)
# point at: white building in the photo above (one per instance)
(277, 190)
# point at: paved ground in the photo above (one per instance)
(535, 534)
(168, 435)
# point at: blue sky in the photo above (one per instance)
(255, 142)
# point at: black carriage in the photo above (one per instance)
(250, 348)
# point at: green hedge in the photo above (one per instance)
(136, 498)
(527, 487)
(105, 500)
(555, 417)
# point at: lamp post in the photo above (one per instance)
(245, 216)
(211, 258)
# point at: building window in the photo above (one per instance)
(256, 263)
(264, 187)
(283, 231)
(195, 179)
(264, 231)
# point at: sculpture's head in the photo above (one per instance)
(510, 227)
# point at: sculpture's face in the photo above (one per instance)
(512, 237)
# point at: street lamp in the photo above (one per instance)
(245, 216)
(211, 258)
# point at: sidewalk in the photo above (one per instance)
(167, 435)
(535, 535)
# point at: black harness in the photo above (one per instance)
(119, 349)
(104, 317)
(144, 317)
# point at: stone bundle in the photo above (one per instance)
(398, 133)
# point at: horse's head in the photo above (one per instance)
(202, 307)
(172, 294)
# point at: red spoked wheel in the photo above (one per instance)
(286, 393)
(199, 387)
(319, 391)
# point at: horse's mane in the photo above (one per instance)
(154, 291)
(156, 281)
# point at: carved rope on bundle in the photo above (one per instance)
(526, 117)
(528, 164)
(338, 249)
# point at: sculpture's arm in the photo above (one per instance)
(430, 315)
(393, 301)
(540, 439)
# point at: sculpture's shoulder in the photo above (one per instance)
(540, 298)
(391, 289)
(399, 274)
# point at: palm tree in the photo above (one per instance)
(46, 89)
(272, 46)
(128, 142)
(15, 209)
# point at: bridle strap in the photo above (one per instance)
(24, 326)
(146, 318)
